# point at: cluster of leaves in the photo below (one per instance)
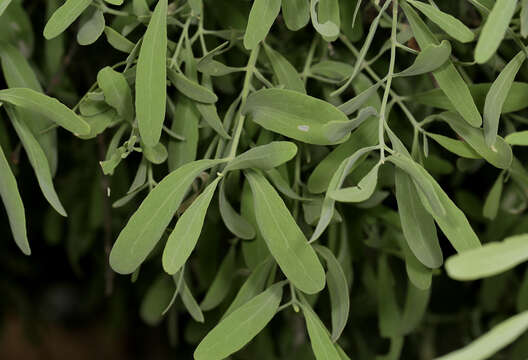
(270, 197)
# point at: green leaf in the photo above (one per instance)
(516, 100)
(429, 59)
(415, 307)
(38, 161)
(389, 315)
(336, 130)
(494, 340)
(517, 138)
(331, 69)
(210, 115)
(458, 147)
(252, 286)
(151, 76)
(491, 259)
(284, 71)
(328, 11)
(191, 89)
(296, 13)
(492, 202)
(91, 29)
(494, 29)
(524, 18)
(3, 5)
(242, 325)
(190, 303)
(118, 41)
(116, 91)
(13, 204)
(64, 16)
(417, 224)
(497, 95)
(156, 299)
(235, 222)
(451, 25)
(285, 240)
(264, 157)
(293, 114)
(419, 275)
(328, 29)
(499, 155)
(447, 77)
(338, 288)
(184, 237)
(147, 224)
(185, 119)
(356, 102)
(322, 345)
(156, 154)
(47, 106)
(361, 192)
(261, 17)
(219, 289)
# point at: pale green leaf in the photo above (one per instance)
(296, 13)
(261, 18)
(264, 157)
(284, 71)
(429, 59)
(322, 345)
(156, 299)
(190, 88)
(517, 138)
(492, 202)
(118, 41)
(91, 29)
(210, 115)
(64, 16)
(235, 222)
(116, 92)
(221, 285)
(190, 303)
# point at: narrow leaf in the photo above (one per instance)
(91, 29)
(64, 16)
(261, 17)
(235, 222)
(116, 91)
(221, 284)
(429, 59)
(264, 157)
(322, 345)
(191, 89)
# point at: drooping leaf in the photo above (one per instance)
(156, 299)
(118, 41)
(151, 76)
(322, 345)
(190, 303)
(13, 204)
(429, 59)
(64, 16)
(494, 29)
(293, 114)
(497, 95)
(191, 89)
(286, 242)
(148, 223)
(491, 259)
(221, 283)
(261, 18)
(448, 78)
(296, 13)
(46, 106)
(264, 157)
(91, 29)
(338, 288)
(184, 237)
(210, 115)
(492, 202)
(328, 12)
(328, 29)
(242, 325)
(284, 71)
(494, 340)
(235, 222)
(361, 192)
(517, 138)
(457, 147)
(185, 120)
(451, 25)
(116, 91)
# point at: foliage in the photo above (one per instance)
(273, 161)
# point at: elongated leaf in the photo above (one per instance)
(210, 115)
(151, 75)
(242, 325)
(116, 91)
(494, 29)
(361, 192)
(13, 204)
(235, 222)
(3, 5)
(118, 41)
(221, 283)
(497, 95)
(338, 288)
(491, 259)
(328, 29)
(524, 18)
(322, 345)
(91, 29)
(389, 314)
(47, 106)
(497, 338)
(148, 223)
(296, 13)
(417, 224)
(292, 114)
(457, 147)
(264, 157)
(517, 138)
(416, 303)
(64, 16)
(185, 120)
(285, 240)
(191, 89)
(451, 25)
(285, 72)
(516, 100)
(252, 286)
(500, 155)
(261, 17)
(336, 130)
(328, 12)
(185, 235)
(190, 303)
(156, 299)
(356, 102)
(491, 205)
(429, 59)
(447, 76)
(38, 161)
(419, 275)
